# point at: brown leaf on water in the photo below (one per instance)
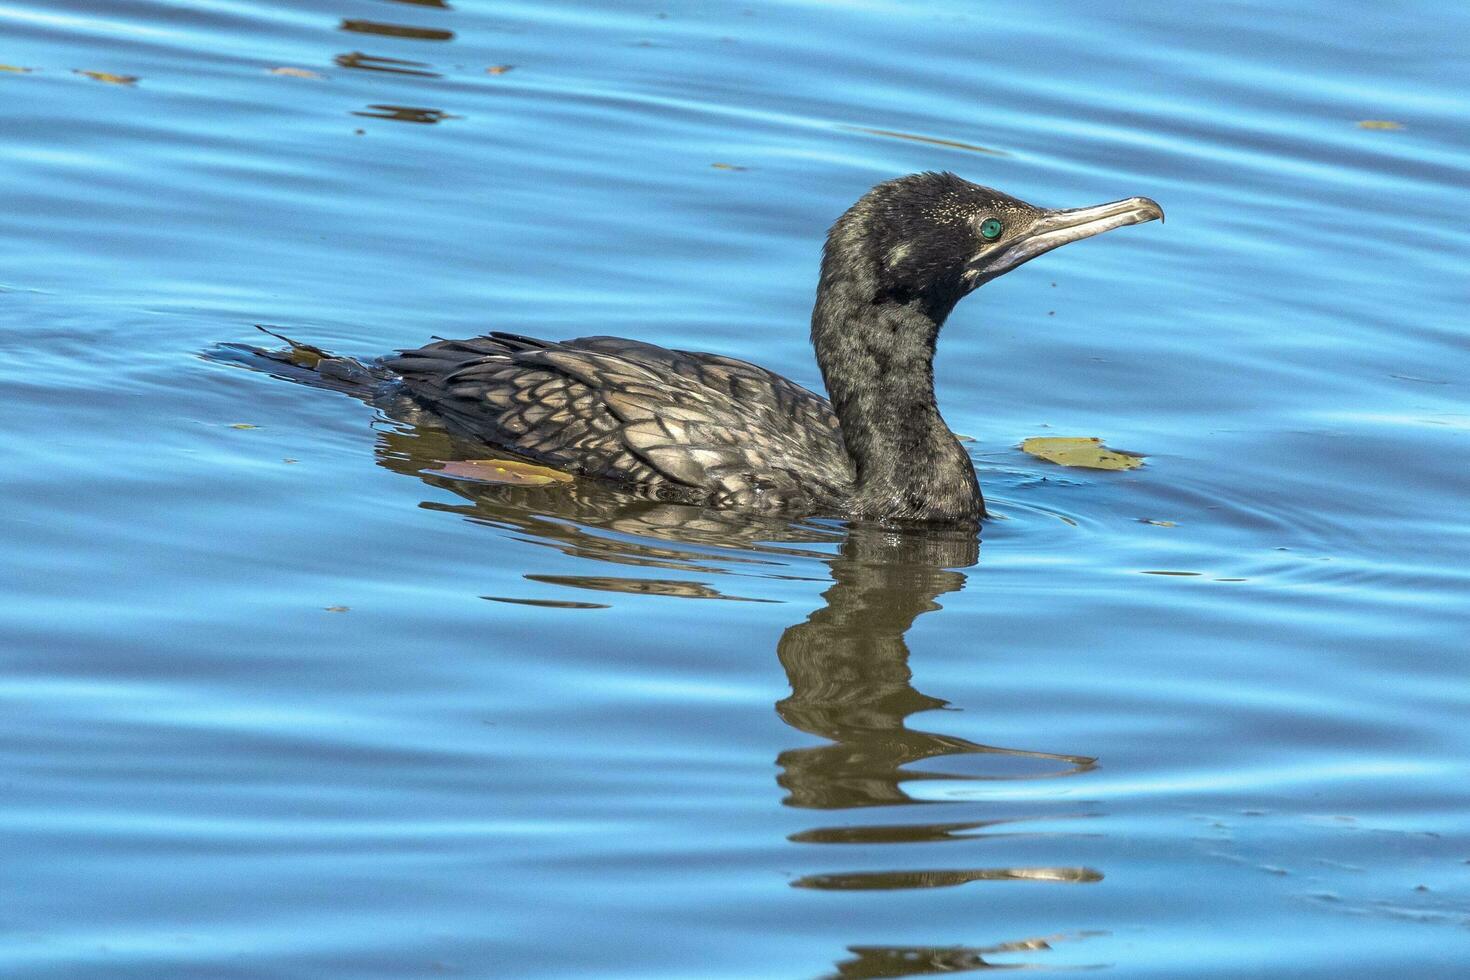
(1088, 453)
(297, 72)
(728, 166)
(1149, 520)
(507, 471)
(16, 68)
(1379, 124)
(108, 77)
(336, 608)
(498, 69)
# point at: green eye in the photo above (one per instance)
(991, 228)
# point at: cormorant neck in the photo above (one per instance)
(877, 359)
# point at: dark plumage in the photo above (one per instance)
(693, 427)
(709, 429)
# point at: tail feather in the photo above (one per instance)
(308, 365)
(302, 355)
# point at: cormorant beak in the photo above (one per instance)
(1056, 228)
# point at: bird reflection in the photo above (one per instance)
(850, 678)
(847, 663)
(872, 962)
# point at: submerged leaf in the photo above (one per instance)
(109, 77)
(508, 471)
(336, 608)
(1088, 453)
(1379, 124)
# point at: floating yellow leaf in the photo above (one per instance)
(1379, 124)
(498, 69)
(508, 471)
(1088, 453)
(244, 425)
(109, 77)
(15, 68)
(297, 72)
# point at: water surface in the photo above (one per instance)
(280, 701)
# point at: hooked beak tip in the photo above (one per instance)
(1143, 208)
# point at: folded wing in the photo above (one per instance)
(687, 425)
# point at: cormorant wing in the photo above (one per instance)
(715, 429)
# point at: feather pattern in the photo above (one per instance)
(687, 426)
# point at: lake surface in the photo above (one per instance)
(277, 701)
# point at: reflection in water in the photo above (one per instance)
(396, 30)
(932, 140)
(847, 663)
(396, 66)
(850, 684)
(677, 588)
(547, 603)
(912, 833)
(849, 673)
(406, 113)
(863, 881)
(913, 961)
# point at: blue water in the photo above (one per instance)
(278, 702)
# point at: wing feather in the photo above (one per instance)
(710, 427)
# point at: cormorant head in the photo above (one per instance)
(933, 237)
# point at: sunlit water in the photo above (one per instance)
(279, 702)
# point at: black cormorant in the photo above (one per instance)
(704, 428)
